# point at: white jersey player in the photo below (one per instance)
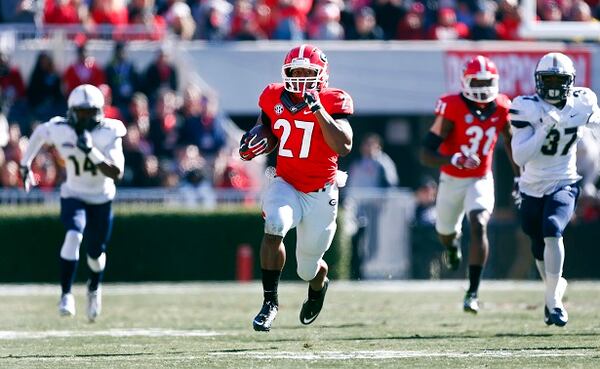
(546, 129)
(90, 145)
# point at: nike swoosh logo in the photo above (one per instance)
(571, 116)
(307, 112)
(308, 321)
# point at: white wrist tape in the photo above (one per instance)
(454, 159)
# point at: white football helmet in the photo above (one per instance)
(554, 77)
(86, 107)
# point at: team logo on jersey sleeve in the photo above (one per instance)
(469, 118)
(278, 109)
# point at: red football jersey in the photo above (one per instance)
(304, 159)
(475, 131)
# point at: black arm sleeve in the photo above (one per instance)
(432, 141)
(264, 118)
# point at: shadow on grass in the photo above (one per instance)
(447, 337)
(40, 356)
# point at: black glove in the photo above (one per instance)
(26, 177)
(84, 142)
(516, 193)
(312, 100)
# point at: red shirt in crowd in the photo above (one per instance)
(12, 84)
(80, 73)
(60, 14)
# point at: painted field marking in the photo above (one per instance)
(386, 354)
(131, 332)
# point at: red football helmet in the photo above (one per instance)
(480, 80)
(305, 56)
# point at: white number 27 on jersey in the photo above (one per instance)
(307, 128)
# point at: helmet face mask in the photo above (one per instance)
(554, 77)
(306, 57)
(480, 80)
(85, 108)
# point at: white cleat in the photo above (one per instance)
(94, 304)
(66, 306)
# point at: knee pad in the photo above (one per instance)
(70, 247)
(552, 227)
(278, 224)
(97, 265)
(307, 268)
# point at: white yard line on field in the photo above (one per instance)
(130, 332)
(252, 287)
(386, 354)
(306, 356)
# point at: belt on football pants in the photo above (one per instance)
(324, 188)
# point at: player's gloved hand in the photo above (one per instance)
(251, 147)
(516, 193)
(27, 177)
(84, 142)
(465, 161)
(311, 97)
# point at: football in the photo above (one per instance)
(263, 132)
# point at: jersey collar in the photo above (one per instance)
(481, 113)
(289, 104)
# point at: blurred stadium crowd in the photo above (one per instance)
(296, 19)
(175, 133)
(174, 138)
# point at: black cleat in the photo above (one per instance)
(547, 319)
(559, 317)
(452, 257)
(311, 308)
(262, 322)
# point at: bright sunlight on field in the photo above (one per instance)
(363, 325)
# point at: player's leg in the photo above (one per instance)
(532, 212)
(314, 236)
(558, 210)
(96, 236)
(479, 204)
(450, 212)
(72, 215)
(281, 211)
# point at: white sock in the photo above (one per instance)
(554, 257)
(541, 268)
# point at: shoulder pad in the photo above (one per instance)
(503, 101)
(337, 100)
(272, 87)
(585, 96)
(270, 90)
(523, 110)
(57, 120)
(116, 126)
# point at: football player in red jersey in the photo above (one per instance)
(461, 142)
(310, 120)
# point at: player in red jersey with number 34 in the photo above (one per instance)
(310, 122)
(461, 143)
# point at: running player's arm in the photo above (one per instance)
(429, 154)
(506, 140)
(336, 132)
(593, 121)
(39, 138)
(114, 161)
(527, 137)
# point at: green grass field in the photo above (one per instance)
(363, 325)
